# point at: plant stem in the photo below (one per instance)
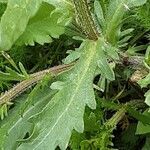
(33, 79)
(85, 19)
(115, 119)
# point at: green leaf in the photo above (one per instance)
(3, 111)
(147, 95)
(143, 128)
(64, 7)
(126, 32)
(3, 1)
(139, 116)
(147, 57)
(15, 20)
(76, 139)
(61, 4)
(14, 128)
(99, 13)
(42, 27)
(144, 82)
(65, 110)
(112, 52)
(19, 19)
(103, 64)
(11, 75)
(73, 55)
(135, 3)
(115, 13)
(23, 70)
(124, 40)
(10, 60)
(114, 16)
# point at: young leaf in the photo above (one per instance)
(103, 65)
(126, 32)
(99, 13)
(115, 13)
(23, 70)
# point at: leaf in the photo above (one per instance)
(16, 125)
(23, 70)
(124, 40)
(3, 111)
(10, 60)
(19, 19)
(60, 4)
(126, 32)
(112, 52)
(139, 116)
(102, 62)
(76, 139)
(114, 16)
(73, 55)
(143, 128)
(144, 82)
(147, 57)
(42, 27)
(3, 1)
(64, 7)
(135, 3)
(11, 75)
(53, 126)
(99, 13)
(15, 19)
(115, 13)
(147, 95)
(91, 123)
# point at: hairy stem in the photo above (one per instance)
(33, 79)
(116, 118)
(85, 19)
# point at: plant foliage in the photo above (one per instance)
(82, 103)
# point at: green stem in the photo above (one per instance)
(33, 79)
(85, 19)
(116, 118)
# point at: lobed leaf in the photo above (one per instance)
(42, 26)
(66, 109)
(16, 126)
(19, 19)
